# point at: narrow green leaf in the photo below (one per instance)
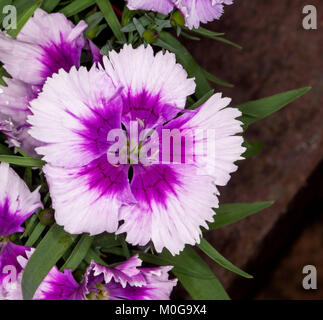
(23, 153)
(139, 27)
(50, 5)
(35, 235)
(52, 247)
(93, 22)
(233, 212)
(93, 255)
(130, 27)
(190, 37)
(77, 6)
(3, 73)
(215, 36)
(253, 111)
(30, 225)
(162, 24)
(226, 41)
(23, 18)
(253, 148)
(111, 18)
(106, 240)
(205, 32)
(199, 289)
(165, 259)
(125, 246)
(22, 161)
(212, 253)
(79, 253)
(28, 177)
(216, 80)
(167, 41)
(126, 15)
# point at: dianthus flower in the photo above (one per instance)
(165, 202)
(47, 43)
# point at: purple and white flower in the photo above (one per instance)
(127, 281)
(17, 204)
(13, 259)
(162, 203)
(194, 11)
(47, 43)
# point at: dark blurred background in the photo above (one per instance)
(278, 55)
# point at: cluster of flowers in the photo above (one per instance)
(194, 11)
(55, 108)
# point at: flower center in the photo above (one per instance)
(135, 145)
(98, 293)
(4, 240)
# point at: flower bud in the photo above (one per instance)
(150, 36)
(178, 19)
(12, 238)
(46, 217)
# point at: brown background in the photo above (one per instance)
(278, 55)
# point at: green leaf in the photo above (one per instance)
(233, 212)
(52, 247)
(23, 153)
(139, 27)
(3, 73)
(214, 35)
(28, 177)
(35, 235)
(212, 253)
(190, 37)
(226, 41)
(50, 5)
(167, 41)
(93, 22)
(30, 224)
(127, 15)
(23, 18)
(124, 246)
(199, 289)
(22, 161)
(162, 24)
(216, 80)
(79, 253)
(111, 18)
(106, 240)
(253, 148)
(77, 6)
(205, 32)
(93, 255)
(130, 27)
(256, 110)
